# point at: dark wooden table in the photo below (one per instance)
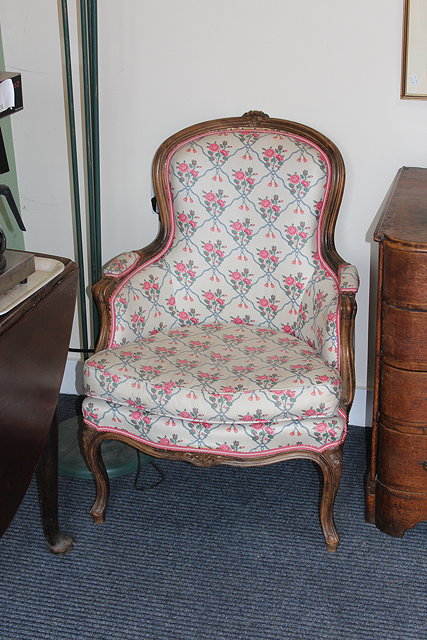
(34, 340)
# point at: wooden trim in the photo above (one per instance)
(375, 408)
(404, 66)
(348, 309)
(405, 25)
(329, 461)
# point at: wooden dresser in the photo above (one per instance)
(396, 489)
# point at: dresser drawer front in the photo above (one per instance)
(405, 277)
(402, 460)
(404, 337)
(403, 394)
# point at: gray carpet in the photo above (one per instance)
(214, 554)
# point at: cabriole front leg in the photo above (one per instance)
(330, 462)
(92, 440)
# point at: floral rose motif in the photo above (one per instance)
(185, 272)
(269, 259)
(244, 182)
(242, 233)
(268, 307)
(218, 154)
(299, 186)
(215, 301)
(214, 254)
(187, 173)
(297, 238)
(294, 288)
(273, 159)
(270, 210)
(187, 225)
(215, 205)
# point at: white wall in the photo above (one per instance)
(332, 64)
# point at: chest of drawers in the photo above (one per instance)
(396, 489)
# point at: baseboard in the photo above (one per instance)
(72, 382)
(360, 414)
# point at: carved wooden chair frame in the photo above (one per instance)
(329, 460)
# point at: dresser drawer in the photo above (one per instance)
(404, 337)
(402, 460)
(405, 277)
(403, 394)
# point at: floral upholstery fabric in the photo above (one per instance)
(245, 209)
(121, 264)
(241, 438)
(217, 373)
(228, 340)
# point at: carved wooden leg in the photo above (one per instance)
(330, 462)
(57, 541)
(92, 440)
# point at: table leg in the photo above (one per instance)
(58, 542)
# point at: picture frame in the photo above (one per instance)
(414, 50)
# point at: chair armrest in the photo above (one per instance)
(115, 272)
(348, 278)
(121, 265)
(348, 282)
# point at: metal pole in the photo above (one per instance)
(87, 89)
(93, 53)
(75, 174)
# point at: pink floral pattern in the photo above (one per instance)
(222, 373)
(229, 341)
(249, 201)
(190, 434)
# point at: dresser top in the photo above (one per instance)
(404, 210)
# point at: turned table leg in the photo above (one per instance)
(57, 541)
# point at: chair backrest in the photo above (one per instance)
(248, 208)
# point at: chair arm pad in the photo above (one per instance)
(121, 265)
(348, 278)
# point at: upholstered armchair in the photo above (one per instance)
(229, 339)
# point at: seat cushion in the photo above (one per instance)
(218, 374)
(245, 439)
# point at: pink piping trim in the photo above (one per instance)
(217, 451)
(325, 266)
